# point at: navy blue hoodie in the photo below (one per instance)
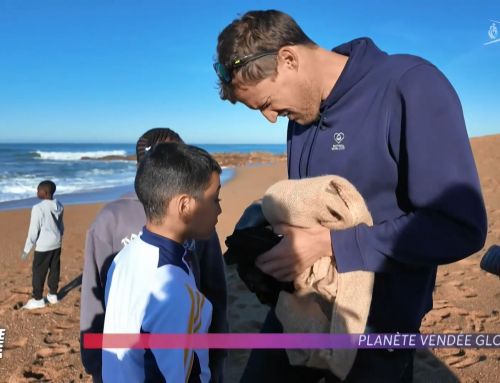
(393, 126)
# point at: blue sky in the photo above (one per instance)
(105, 71)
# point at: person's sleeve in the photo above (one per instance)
(34, 228)
(446, 220)
(174, 310)
(214, 287)
(97, 253)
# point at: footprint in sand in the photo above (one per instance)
(455, 283)
(479, 314)
(442, 310)
(64, 326)
(40, 374)
(493, 320)
(250, 326)
(465, 292)
(468, 293)
(241, 286)
(73, 344)
(18, 343)
(475, 324)
(53, 337)
(22, 290)
(42, 311)
(53, 350)
(442, 272)
(448, 352)
(470, 278)
(467, 362)
(441, 304)
(62, 312)
(231, 299)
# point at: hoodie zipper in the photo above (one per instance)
(311, 146)
(302, 163)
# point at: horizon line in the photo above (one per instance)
(131, 143)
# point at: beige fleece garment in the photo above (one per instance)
(325, 301)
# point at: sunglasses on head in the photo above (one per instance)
(225, 72)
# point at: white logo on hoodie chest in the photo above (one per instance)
(337, 139)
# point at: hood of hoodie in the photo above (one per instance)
(54, 206)
(130, 195)
(363, 55)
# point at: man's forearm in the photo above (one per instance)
(422, 239)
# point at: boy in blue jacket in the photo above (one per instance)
(116, 225)
(151, 286)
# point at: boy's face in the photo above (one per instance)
(41, 193)
(205, 212)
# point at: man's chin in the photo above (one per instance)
(303, 121)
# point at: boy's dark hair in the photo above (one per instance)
(170, 169)
(256, 32)
(48, 186)
(153, 137)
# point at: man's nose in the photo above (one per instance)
(270, 115)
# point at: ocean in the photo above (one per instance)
(24, 166)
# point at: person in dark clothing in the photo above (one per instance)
(393, 126)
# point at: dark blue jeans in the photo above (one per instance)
(371, 365)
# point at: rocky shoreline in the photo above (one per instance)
(229, 160)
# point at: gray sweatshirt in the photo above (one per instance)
(46, 226)
(115, 226)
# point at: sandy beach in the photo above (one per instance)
(43, 345)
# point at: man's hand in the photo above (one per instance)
(298, 250)
(24, 256)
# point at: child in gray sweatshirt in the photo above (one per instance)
(120, 222)
(46, 231)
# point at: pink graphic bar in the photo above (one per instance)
(219, 341)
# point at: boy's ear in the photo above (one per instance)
(185, 207)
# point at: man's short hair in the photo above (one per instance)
(255, 32)
(153, 137)
(170, 169)
(49, 186)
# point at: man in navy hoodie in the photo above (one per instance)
(394, 127)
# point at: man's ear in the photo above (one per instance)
(137, 165)
(288, 58)
(185, 207)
